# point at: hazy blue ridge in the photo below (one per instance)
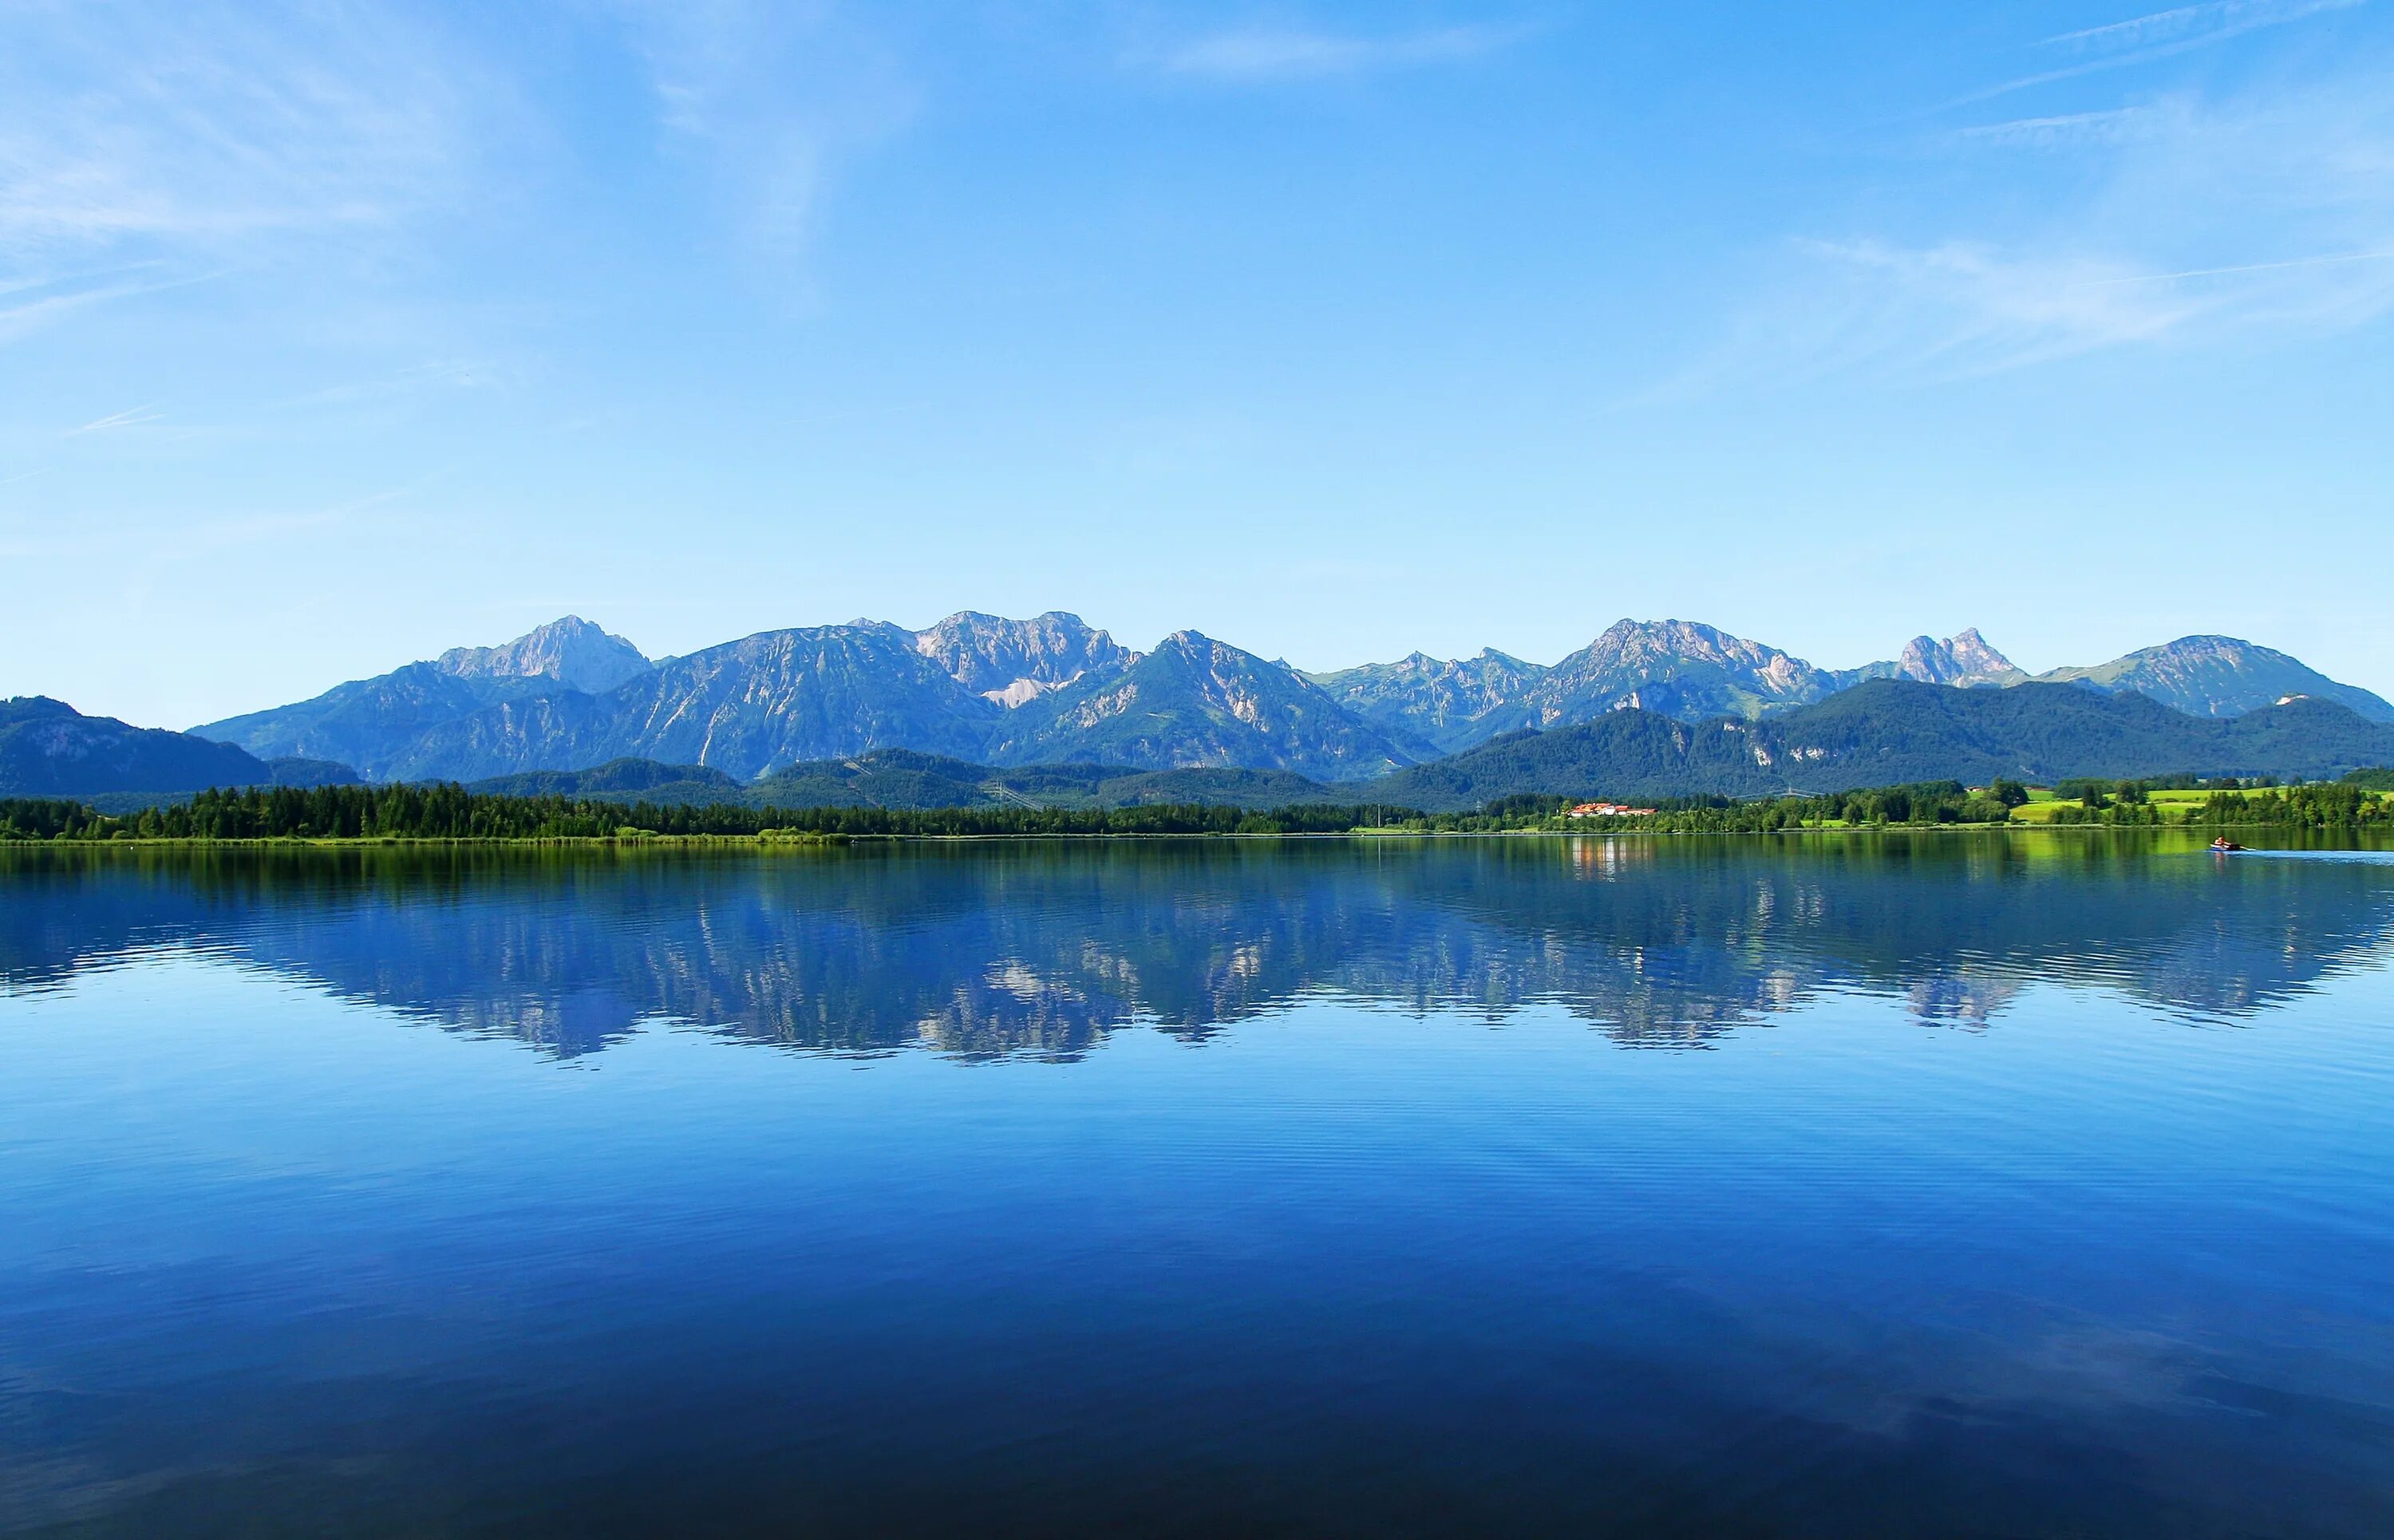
(900, 779)
(903, 779)
(296, 773)
(48, 748)
(292, 771)
(889, 778)
(639, 777)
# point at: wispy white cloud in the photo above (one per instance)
(2070, 131)
(2205, 23)
(2164, 34)
(2336, 259)
(1965, 308)
(772, 99)
(155, 145)
(1874, 309)
(2185, 221)
(1260, 55)
(209, 123)
(132, 416)
(32, 315)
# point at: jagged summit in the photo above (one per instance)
(570, 650)
(1014, 661)
(1680, 668)
(1964, 659)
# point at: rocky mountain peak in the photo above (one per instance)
(2214, 675)
(1683, 668)
(1013, 661)
(1964, 660)
(570, 650)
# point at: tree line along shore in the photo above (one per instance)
(449, 812)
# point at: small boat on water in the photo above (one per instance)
(2221, 846)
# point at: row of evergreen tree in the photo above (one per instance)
(449, 812)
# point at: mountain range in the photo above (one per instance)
(976, 687)
(1050, 709)
(985, 689)
(1677, 668)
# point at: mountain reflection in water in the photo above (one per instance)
(1042, 949)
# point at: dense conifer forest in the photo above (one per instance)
(450, 811)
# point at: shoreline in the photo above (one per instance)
(834, 841)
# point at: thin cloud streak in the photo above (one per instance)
(2238, 18)
(2155, 244)
(771, 100)
(2231, 16)
(132, 416)
(18, 321)
(1265, 54)
(123, 133)
(2244, 268)
(2069, 131)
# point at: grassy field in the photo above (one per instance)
(2042, 804)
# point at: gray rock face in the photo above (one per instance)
(1013, 661)
(572, 651)
(1678, 668)
(1435, 705)
(1198, 702)
(1966, 661)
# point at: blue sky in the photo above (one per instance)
(334, 335)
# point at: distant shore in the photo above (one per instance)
(827, 842)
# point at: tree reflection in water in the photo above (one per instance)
(1043, 949)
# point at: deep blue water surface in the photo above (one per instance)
(2039, 1185)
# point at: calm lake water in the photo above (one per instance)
(1978, 1185)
